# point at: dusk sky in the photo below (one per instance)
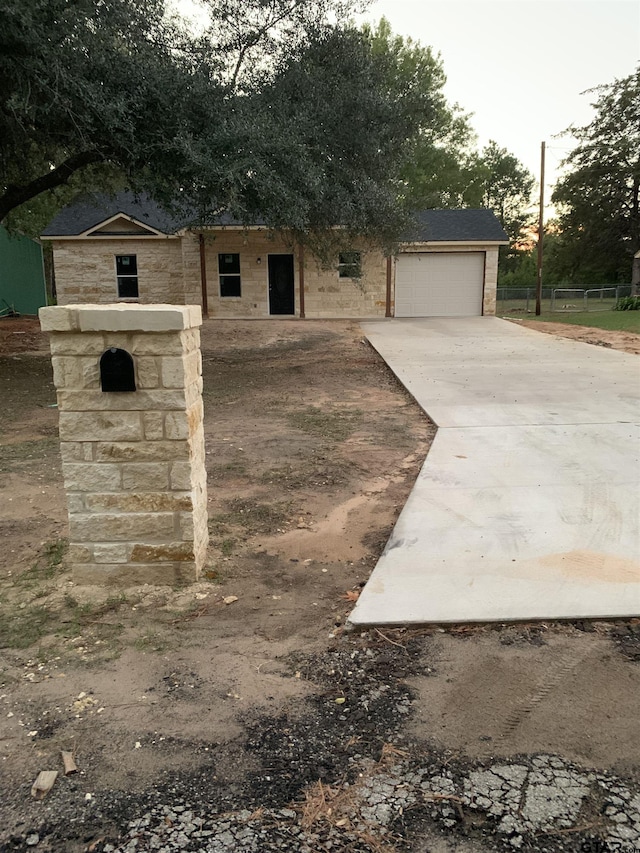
(520, 65)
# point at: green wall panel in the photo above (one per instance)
(22, 286)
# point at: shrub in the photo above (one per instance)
(628, 303)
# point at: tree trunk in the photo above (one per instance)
(15, 195)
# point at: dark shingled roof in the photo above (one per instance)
(432, 226)
(443, 226)
(89, 211)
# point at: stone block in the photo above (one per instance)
(145, 476)
(76, 344)
(135, 574)
(168, 399)
(181, 372)
(120, 527)
(180, 477)
(75, 372)
(148, 375)
(91, 477)
(144, 502)
(121, 317)
(153, 425)
(176, 426)
(72, 451)
(141, 451)
(157, 345)
(166, 552)
(105, 426)
(110, 552)
(75, 502)
(79, 553)
(174, 371)
(56, 318)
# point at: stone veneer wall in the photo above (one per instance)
(86, 269)
(326, 294)
(133, 462)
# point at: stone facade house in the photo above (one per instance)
(128, 249)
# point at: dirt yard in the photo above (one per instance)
(237, 714)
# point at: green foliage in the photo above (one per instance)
(503, 184)
(599, 197)
(435, 172)
(628, 303)
(610, 320)
(443, 169)
(270, 113)
(518, 269)
(48, 565)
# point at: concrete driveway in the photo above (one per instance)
(528, 505)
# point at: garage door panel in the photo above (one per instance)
(445, 284)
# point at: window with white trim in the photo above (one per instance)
(229, 273)
(127, 276)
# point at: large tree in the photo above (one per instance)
(503, 184)
(270, 111)
(599, 197)
(435, 172)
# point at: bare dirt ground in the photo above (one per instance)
(262, 718)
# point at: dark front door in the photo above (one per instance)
(281, 285)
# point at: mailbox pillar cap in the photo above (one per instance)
(119, 317)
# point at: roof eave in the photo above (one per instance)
(454, 243)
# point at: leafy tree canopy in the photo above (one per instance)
(443, 167)
(435, 171)
(598, 198)
(270, 111)
(502, 183)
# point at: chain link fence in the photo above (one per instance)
(596, 297)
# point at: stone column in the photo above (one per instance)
(133, 461)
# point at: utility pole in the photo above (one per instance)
(540, 233)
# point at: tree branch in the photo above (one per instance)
(15, 195)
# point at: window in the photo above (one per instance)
(229, 270)
(350, 265)
(127, 276)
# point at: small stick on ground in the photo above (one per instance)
(389, 640)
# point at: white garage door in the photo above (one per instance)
(443, 284)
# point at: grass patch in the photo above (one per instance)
(76, 616)
(226, 546)
(315, 473)
(49, 564)
(28, 623)
(230, 471)
(151, 642)
(614, 321)
(252, 516)
(25, 626)
(336, 425)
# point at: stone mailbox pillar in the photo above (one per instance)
(129, 383)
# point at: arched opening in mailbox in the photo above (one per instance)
(116, 370)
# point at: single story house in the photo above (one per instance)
(127, 248)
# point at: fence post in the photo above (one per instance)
(553, 301)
